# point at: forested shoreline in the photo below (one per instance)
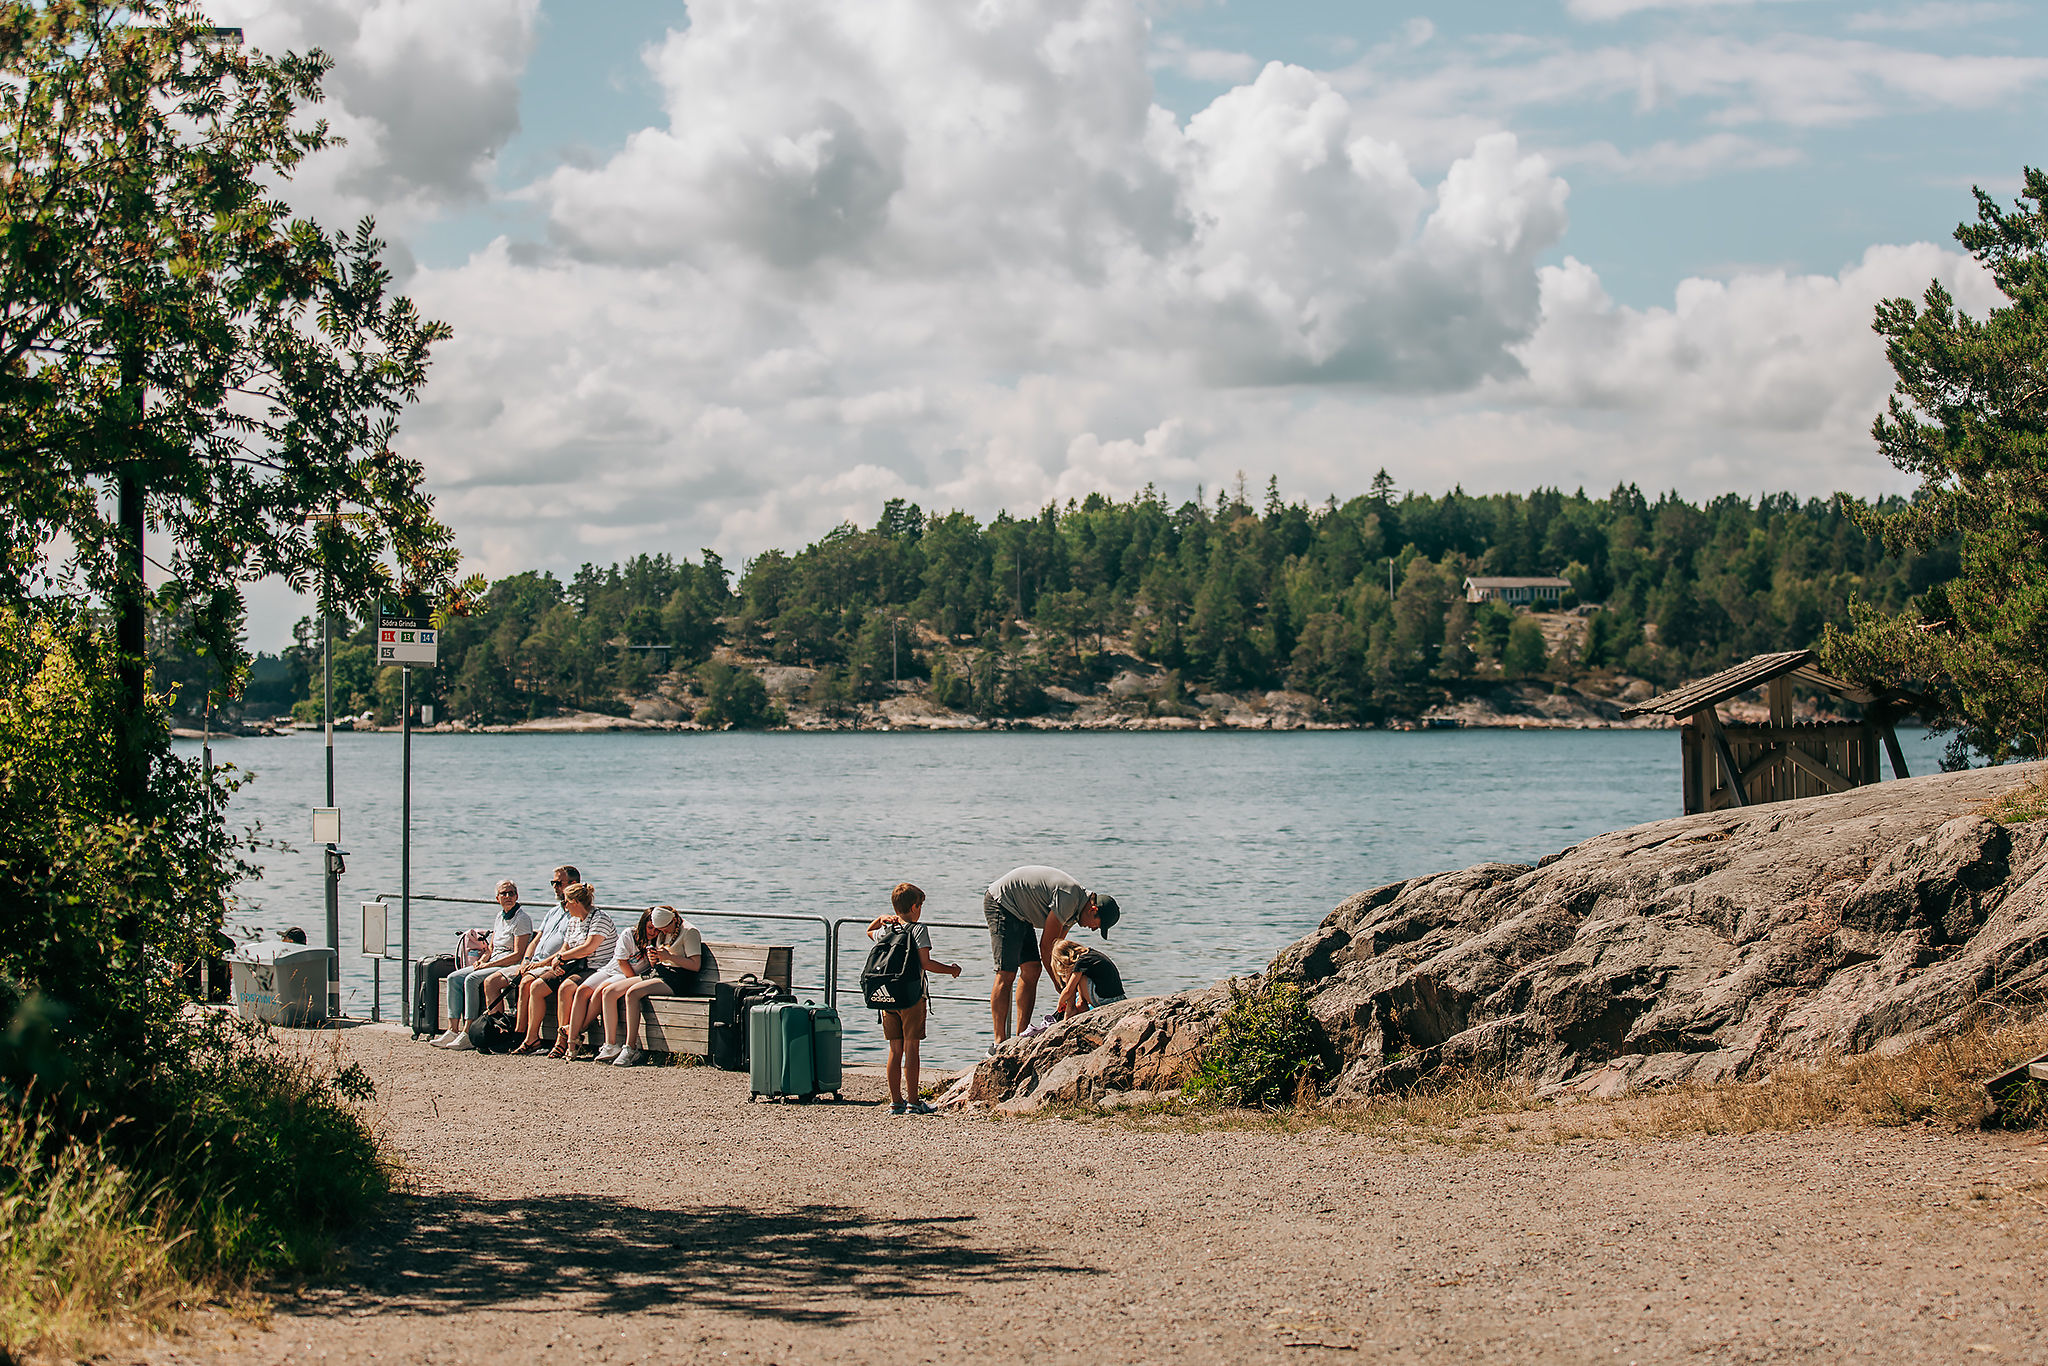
(1233, 593)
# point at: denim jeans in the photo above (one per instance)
(466, 992)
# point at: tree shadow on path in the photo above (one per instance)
(455, 1254)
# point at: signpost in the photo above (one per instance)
(406, 635)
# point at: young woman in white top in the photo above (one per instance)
(579, 1005)
(673, 950)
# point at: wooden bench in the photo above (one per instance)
(682, 1024)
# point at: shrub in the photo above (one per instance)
(1263, 1052)
(160, 1135)
(736, 698)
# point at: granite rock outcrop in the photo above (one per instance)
(1706, 947)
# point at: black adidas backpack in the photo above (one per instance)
(894, 976)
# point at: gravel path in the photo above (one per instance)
(599, 1214)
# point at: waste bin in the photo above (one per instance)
(281, 983)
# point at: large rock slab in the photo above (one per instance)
(1710, 946)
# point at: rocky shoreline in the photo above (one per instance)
(1708, 947)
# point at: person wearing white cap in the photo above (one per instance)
(670, 950)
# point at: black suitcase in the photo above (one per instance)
(730, 1002)
(430, 973)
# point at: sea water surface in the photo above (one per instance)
(1222, 848)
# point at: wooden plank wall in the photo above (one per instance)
(1851, 749)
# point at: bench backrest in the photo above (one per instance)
(730, 962)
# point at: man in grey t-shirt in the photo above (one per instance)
(1034, 901)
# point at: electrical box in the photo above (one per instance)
(376, 929)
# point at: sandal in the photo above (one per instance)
(527, 1050)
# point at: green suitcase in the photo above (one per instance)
(825, 1035)
(779, 1039)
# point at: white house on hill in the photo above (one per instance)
(1545, 589)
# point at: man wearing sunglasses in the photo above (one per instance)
(548, 941)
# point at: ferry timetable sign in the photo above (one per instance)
(406, 634)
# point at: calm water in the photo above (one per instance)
(1221, 848)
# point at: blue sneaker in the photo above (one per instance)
(898, 1108)
(921, 1109)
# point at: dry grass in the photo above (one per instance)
(2028, 802)
(84, 1254)
(1937, 1083)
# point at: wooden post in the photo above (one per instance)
(1710, 722)
(1891, 747)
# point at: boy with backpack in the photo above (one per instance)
(899, 975)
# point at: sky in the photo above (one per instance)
(726, 274)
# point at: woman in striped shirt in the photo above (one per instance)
(587, 947)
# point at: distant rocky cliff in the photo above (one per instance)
(1707, 947)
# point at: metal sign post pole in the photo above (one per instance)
(406, 635)
(405, 845)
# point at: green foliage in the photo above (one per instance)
(1261, 1050)
(736, 698)
(1969, 417)
(169, 330)
(1294, 596)
(1526, 655)
(251, 1160)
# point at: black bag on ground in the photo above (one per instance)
(492, 1032)
(893, 978)
(730, 1002)
(426, 998)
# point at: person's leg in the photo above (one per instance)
(494, 987)
(457, 1000)
(636, 992)
(896, 1071)
(572, 1016)
(536, 993)
(1006, 976)
(473, 993)
(1027, 991)
(999, 1003)
(913, 1036)
(609, 999)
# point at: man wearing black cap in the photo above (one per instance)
(1041, 900)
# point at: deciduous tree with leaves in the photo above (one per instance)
(1969, 417)
(187, 372)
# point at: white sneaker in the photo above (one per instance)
(628, 1057)
(446, 1039)
(609, 1051)
(461, 1042)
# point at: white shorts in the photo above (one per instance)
(608, 973)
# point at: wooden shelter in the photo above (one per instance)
(1729, 765)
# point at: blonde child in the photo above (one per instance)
(1086, 978)
(904, 1029)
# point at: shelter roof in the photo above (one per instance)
(1538, 581)
(1751, 673)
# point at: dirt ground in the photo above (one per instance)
(595, 1214)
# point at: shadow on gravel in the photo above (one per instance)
(454, 1254)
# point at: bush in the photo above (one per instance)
(161, 1135)
(1264, 1051)
(736, 698)
(1526, 655)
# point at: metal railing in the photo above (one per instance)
(833, 971)
(826, 926)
